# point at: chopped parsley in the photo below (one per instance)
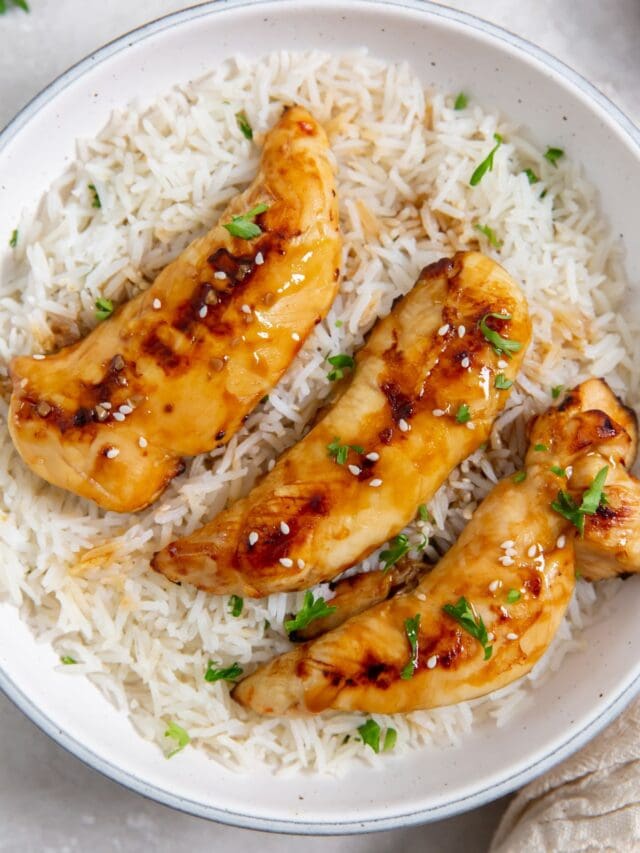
(558, 471)
(244, 226)
(340, 363)
(553, 155)
(339, 324)
(513, 595)
(96, 198)
(390, 738)
(501, 346)
(339, 452)
(411, 627)
(592, 498)
(311, 609)
(487, 164)
(463, 415)
(229, 673)
(425, 515)
(243, 124)
(178, 734)
(370, 734)
(519, 477)
(398, 547)
(264, 400)
(235, 605)
(13, 242)
(464, 615)
(67, 660)
(21, 4)
(502, 383)
(490, 234)
(541, 447)
(556, 391)
(104, 308)
(461, 101)
(531, 176)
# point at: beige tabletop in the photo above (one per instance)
(49, 801)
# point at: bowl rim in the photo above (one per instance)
(131, 781)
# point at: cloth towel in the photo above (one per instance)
(591, 802)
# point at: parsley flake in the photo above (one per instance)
(229, 673)
(235, 605)
(412, 628)
(502, 383)
(541, 447)
(311, 609)
(519, 477)
(104, 308)
(463, 415)
(339, 452)
(425, 515)
(487, 164)
(68, 660)
(558, 471)
(556, 391)
(369, 731)
(513, 595)
(96, 198)
(390, 738)
(179, 735)
(21, 4)
(553, 155)
(398, 547)
(501, 346)
(464, 615)
(592, 497)
(243, 124)
(244, 226)
(490, 234)
(340, 363)
(13, 242)
(531, 176)
(461, 101)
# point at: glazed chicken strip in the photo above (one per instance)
(508, 578)
(427, 387)
(175, 371)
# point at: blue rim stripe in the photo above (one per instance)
(248, 821)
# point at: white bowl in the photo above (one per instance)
(456, 52)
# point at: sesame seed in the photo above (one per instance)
(125, 410)
(284, 528)
(508, 543)
(502, 364)
(297, 277)
(432, 662)
(354, 470)
(38, 356)
(307, 256)
(202, 313)
(442, 331)
(246, 309)
(157, 305)
(491, 636)
(568, 471)
(106, 405)
(263, 335)
(259, 259)
(118, 416)
(373, 456)
(437, 413)
(375, 483)
(112, 452)
(506, 561)
(421, 596)
(494, 585)
(142, 441)
(562, 541)
(286, 562)
(512, 636)
(301, 564)
(465, 362)
(532, 551)
(271, 465)
(470, 425)
(253, 538)
(403, 425)
(220, 275)
(504, 611)
(461, 331)
(295, 336)
(100, 413)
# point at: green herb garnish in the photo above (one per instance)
(541, 447)
(556, 391)
(531, 175)
(519, 477)
(553, 155)
(463, 613)
(558, 471)
(68, 660)
(487, 164)
(264, 400)
(339, 324)
(398, 547)
(229, 673)
(311, 609)
(463, 415)
(244, 226)
(21, 4)
(340, 363)
(425, 515)
(502, 383)
(339, 452)
(177, 733)
(501, 346)
(96, 198)
(13, 242)
(490, 234)
(104, 308)
(235, 605)
(592, 497)
(243, 124)
(513, 595)
(390, 738)
(411, 627)
(370, 734)
(461, 101)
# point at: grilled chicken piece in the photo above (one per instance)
(515, 541)
(175, 371)
(425, 370)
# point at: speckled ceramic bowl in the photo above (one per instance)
(452, 50)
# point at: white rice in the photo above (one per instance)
(164, 172)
